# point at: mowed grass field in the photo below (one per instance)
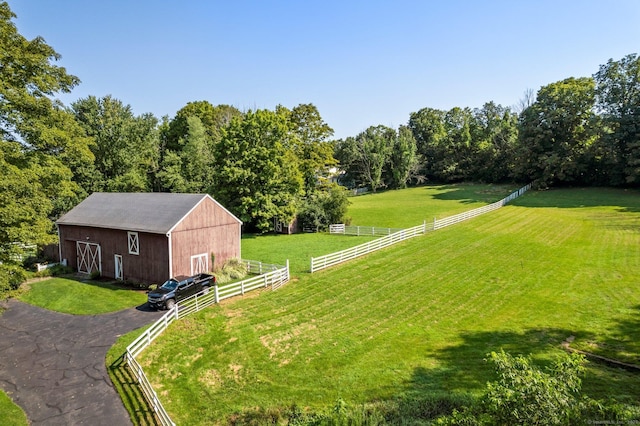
(412, 206)
(419, 318)
(390, 209)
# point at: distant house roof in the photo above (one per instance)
(153, 212)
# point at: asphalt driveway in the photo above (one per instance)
(53, 364)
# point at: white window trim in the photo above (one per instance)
(133, 242)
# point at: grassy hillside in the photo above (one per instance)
(419, 318)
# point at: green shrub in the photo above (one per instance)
(527, 395)
(11, 276)
(54, 271)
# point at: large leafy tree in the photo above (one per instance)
(24, 201)
(444, 142)
(256, 174)
(324, 207)
(494, 130)
(427, 126)
(618, 99)
(126, 146)
(311, 143)
(364, 157)
(557, 131)
(458, 148)
(41, 146)
(403, 159)
(28, 79)
(213, 118)
(189, 169)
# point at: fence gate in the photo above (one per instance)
(199, 263)
(89, 258)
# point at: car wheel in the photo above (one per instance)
(170, 304)
(205, 289)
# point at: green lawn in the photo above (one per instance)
(418, 319)
(297, 248)
(12, 415)
(393, 209)
(81, 297)
(412, 206)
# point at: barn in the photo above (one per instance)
(148, 237)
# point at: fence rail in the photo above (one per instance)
(397, 235)
(375, 231)
(276, 276)
(322, 262)
(447, 221)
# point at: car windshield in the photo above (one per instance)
(170, 285)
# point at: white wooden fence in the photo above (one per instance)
(275, 277)
(375, 231)
(318, 263)
(441, 223)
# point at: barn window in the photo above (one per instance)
(134, 243)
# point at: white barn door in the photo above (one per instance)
(199, 263)
(89, 257)
(117, 261)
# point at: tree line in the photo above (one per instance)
(267, 165)
(578, 131)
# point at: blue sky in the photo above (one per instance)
(362, 63)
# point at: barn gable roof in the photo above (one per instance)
(153, 212)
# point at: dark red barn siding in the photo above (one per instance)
(150, 265)
(209, 229)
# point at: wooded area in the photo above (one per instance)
(276, 164)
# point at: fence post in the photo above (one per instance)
(215, 292)
(287, 265)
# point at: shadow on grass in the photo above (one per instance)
(471, 194)
(623, 341)
(131, 393)
(105, 283)
(627, 200)
(463, 366)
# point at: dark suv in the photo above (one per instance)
(179, 288)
